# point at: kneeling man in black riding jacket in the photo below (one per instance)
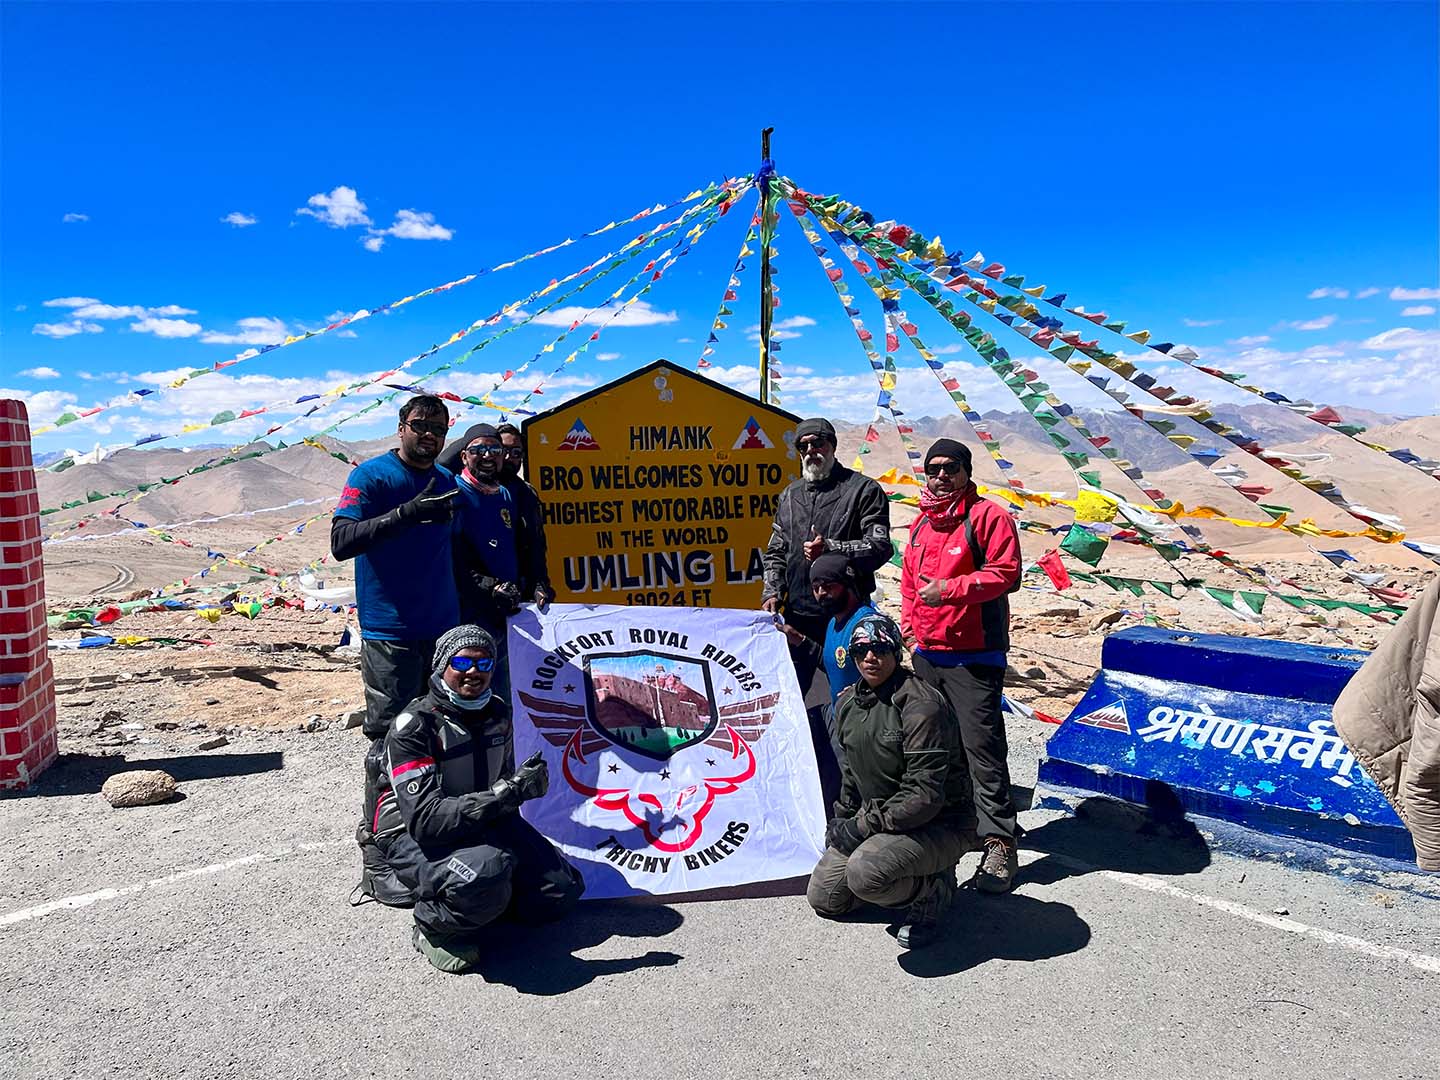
(445, 809)
(905, 814)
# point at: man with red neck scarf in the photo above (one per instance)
(960, 564)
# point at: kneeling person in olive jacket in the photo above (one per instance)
(905, 814)
(445, 810)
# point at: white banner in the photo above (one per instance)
(679, 749)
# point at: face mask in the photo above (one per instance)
(467, 704)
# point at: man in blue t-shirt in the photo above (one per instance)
(394, 520)
(834, 586)
(487, 560)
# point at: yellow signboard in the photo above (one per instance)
(660, 488)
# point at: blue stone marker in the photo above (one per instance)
(1226, 727)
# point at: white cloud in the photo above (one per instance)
(41, 373)
(1328, 291)
(1398, 293)
(340, 209)
(64, 330)
(166, 328)
(98, 310)
(685, 341)
(1253, 339)
(414, 225)
(1195, 323)
(72, 218)
(41, 403)
(21, 307)
(608, 356)
(172, 309)
(346, 333)
(255, 330)
(1365, 294)
(1403, 337)
(949, 350)
(373, 243)
(71, 301)
(1419, 309)
(239, 220)
(1324, 322)
(639, 313)
(794, 322)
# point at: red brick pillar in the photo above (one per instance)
(27, 681)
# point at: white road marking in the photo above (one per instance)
(72, 903)
(1423, 961)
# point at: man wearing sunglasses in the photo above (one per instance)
(487, 565)
(445, 807)
(530, 526)
(393, 519)
(829, 509)
(959, 567)
(905, 814)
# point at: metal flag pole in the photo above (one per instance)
(768, 189)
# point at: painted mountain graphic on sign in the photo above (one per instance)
(1110, 717)
(579, 438)
(752, 437)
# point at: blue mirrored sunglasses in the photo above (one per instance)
(485, 451)
(465, 663)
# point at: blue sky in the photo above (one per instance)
(1219, 173)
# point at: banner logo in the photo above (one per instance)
(578, 438)
(1111, 717)
(752, 437)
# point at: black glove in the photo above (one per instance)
(844, 835)
(428, 508)
(507, 597)
(543, 595)
(530, 781)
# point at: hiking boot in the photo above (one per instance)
(998, 865)
(377, 879)
(454, 956)
(922, 919)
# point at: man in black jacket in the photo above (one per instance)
(530, 534)
(905, 814)
(445, 808)
(829, 509)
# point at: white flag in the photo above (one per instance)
(678, 745)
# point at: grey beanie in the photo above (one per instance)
(452, 641)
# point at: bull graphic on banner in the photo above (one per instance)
(679, 750)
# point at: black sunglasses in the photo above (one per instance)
(949, 468)
(427, 427)
(514, 451)
(859, 652)
(806, 445)
(487, 451)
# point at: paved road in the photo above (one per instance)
(211, 938)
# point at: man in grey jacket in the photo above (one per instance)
(829, 509)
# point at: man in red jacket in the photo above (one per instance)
(962, 561)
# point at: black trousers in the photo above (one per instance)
(513, 870)
(394, 674)
(974, 694)
(822, 737)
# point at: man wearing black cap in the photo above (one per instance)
(961, 562)
(833, 587)
(487, 560)
(830, 509)
(530, 526)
